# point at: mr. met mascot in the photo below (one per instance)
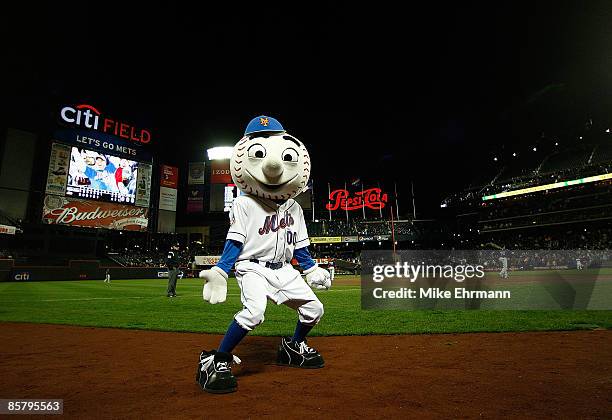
(267, 230)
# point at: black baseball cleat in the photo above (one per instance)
(214, 373)
(300, 355)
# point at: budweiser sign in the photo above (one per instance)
(372, 198)
(85, 213)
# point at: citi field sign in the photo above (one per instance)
(89, 117)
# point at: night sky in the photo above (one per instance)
(428, 93)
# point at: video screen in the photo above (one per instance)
(98, 176)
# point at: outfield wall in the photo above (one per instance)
(77, 270)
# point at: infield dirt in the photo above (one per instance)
(134, 374)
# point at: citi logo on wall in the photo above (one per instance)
(88, 116)
(22, 276)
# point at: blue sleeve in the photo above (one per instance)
(90, 172)
(303, 258)
(230, 255)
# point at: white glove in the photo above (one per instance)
(318, 278)
(215, 288)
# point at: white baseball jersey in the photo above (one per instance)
(504, 261)
(269, 232)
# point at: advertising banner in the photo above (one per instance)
(143, 185)
(104, 143)
(371, 198)
(373, 238)
(84, 213)
(196, 173)
(58, 169)
(92, 127)
(207, 259)
(326, 239)
(8, 230)
(167, 187)
(167, 198)
(169, 176)
(195, 199)
(220, 172)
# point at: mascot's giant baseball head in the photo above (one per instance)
(268, 162)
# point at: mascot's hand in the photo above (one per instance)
(318, 278)
(215, 288)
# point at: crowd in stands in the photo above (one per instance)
(135, 251)
(358, 227)
(575, 162)
(533, 259)
(6, 253)
(559, 237)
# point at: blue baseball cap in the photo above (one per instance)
(263, 123)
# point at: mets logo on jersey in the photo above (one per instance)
(274, 223)
(264, 121)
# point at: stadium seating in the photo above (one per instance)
(567, 159)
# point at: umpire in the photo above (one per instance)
(172, 262)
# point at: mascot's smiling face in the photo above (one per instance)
(272, 165)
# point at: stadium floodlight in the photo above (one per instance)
(556, 143)
(535, 149)
(607, 130)
(220, 153)
(580, 137)
(514, 154)
(495, 159)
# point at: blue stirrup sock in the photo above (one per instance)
(235, 333)
(301, 330)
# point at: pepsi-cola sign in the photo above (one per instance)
(372, 198)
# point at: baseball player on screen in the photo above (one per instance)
(267, 229)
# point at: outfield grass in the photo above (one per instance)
(142, 304)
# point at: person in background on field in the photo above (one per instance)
(107, 277)
(504, 266)
(172, 262)
(579, 265)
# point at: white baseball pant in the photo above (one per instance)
(283, 286)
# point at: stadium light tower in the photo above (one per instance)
(220, 153)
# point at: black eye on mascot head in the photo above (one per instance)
(268, 162)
